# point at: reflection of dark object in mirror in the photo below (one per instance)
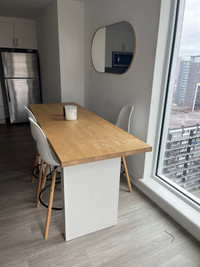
(117, 70)
(113, 48)
(121, 59)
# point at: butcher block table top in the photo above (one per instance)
(87, 139)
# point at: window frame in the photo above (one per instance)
(173, 203)
(177, 31)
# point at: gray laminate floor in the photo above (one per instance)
(144, 235)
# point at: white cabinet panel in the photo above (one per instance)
(25, 34)
(117, 42)
(131, 44)
(6, 34)
(123, 43)
(17, 34)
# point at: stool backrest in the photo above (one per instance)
(30, 115)
(124, 118)
(43, 146)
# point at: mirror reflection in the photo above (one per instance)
(113, 48)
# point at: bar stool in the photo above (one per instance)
(123, 122)
(30, 115)
(50, 158)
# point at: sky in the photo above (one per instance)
(190, 41)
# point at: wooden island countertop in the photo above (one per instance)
(87, 139)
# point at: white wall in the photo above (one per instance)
(71, 49)
(105, 94)
(48, 48)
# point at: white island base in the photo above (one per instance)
(90, 196)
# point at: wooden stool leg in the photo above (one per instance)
(39, 181)
(50, 204)
(127, 175)
(35, 164)
(43, 183)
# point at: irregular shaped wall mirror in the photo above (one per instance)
(113, 48)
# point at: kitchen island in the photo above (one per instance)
(89, 150)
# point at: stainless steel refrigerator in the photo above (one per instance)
(21, 83)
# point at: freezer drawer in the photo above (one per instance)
(20, 93)
(20, 65)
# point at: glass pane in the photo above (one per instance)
(179, 163)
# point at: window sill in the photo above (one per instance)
(177, 208)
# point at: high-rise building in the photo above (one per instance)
(184, 67)
(196, 103)
(188, 78)
(193, 80)
(182, 157)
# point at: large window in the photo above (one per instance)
(179, 160)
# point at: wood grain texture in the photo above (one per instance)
(48, 217)
(89, 138)
(138, 240)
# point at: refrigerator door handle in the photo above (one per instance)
(7, 90)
